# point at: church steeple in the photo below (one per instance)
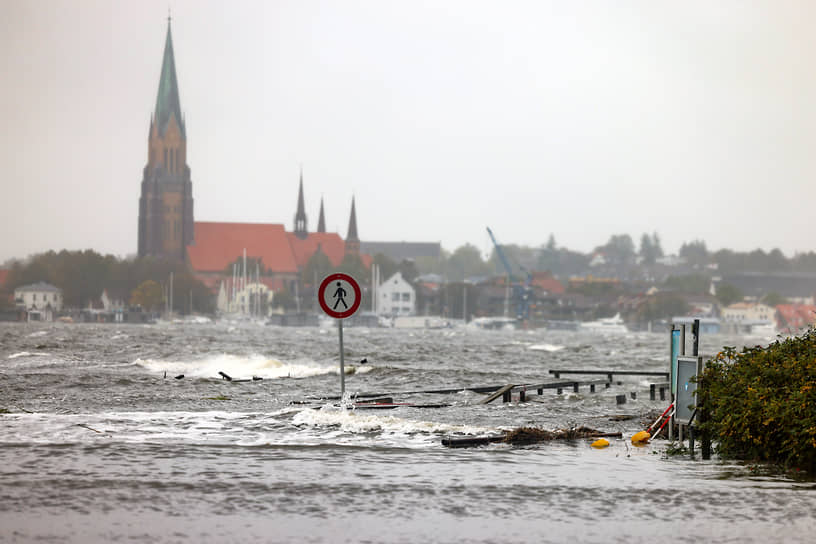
(167, 100)
(352, 240)
(166, 203)
(321, 220)
(301, 230)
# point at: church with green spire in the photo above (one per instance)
(166, 202)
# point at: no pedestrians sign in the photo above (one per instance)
(339, 295)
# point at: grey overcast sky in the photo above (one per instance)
(583, 119)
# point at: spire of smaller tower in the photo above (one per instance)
(301, 230)
(321, 220)
(352, 228)
(352, 241)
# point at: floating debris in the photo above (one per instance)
(532, 435)
(523, 436)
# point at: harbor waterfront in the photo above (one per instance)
(129, 433)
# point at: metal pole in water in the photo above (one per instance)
(695, 337)
(342, 370)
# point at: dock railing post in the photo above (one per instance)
(695, 337)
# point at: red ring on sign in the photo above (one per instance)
(358, 295)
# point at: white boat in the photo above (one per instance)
(605, 324)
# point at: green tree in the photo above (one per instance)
(408, 270)
(148, 295)
(386, 266)
(662, 306)
(620, 249)
(650, 249)
(354, 267)
(464, 262)
(727, 294)
(551, 243)
(695, 253)
(696, 284)
(317, 267)
(774, 299)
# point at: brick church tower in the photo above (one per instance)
(166, 203)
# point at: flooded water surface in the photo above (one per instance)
(103, 443)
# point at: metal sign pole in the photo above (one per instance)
(342, 370)
(335, 290)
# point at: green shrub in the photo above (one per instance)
(762, 402)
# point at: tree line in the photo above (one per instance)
(83, 275)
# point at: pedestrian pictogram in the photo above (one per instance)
(339, 295)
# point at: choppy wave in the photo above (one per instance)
(353, 421)
(246, 366)
(26, 354)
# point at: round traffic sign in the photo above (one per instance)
(339, 295)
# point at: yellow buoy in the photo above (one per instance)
(600, 443)
(641, 437)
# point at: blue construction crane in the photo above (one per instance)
(522, 292)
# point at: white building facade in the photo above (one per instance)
(742, 312)
(396, 297)
(40, 301)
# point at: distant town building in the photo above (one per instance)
(40, 301)
(748, 312)
(547, 283)
(396, 297)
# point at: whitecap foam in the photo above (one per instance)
(355, 422)
(25, 354)
(238, 366)
(545, 347)
(38, 333)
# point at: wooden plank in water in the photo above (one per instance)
(498, 393)
(392, 405)
(470, 441)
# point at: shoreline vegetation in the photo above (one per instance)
(761, 403)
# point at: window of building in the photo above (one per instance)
(35, 297)
(406, 297)
(395, 297)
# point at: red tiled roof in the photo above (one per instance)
(796, 316)
(547, 282)
(330, 243)
(219, 244)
